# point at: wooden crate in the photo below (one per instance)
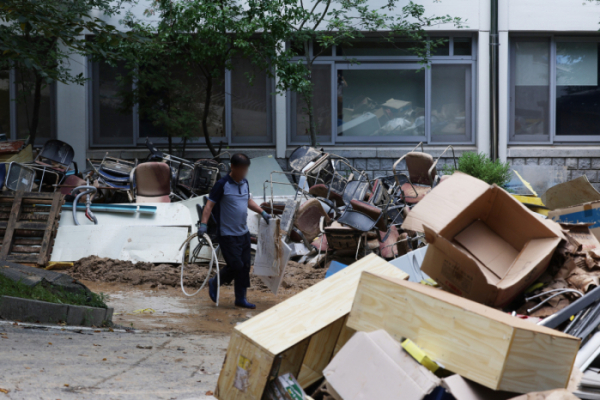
(299, 335)
(478, 342)
(28, 224)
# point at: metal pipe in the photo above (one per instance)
(494, 80)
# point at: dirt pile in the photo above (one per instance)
(96, 269)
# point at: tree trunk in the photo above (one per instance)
(35, 115)
(170, 139)
(205, 113)
(308, 99)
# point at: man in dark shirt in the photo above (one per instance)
(229, 201)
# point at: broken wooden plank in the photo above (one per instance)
(11, 225)
(273, 332)
(478, 342)
(55, 208)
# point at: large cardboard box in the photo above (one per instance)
(483, 243)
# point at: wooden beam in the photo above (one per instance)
(478, 342)
(11, 225)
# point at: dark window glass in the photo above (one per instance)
(46, 128)
(110, 124)
(5, 103)
(531, 88)
(249, 102)
(577, 89)
(377, 47)
(441, 47)
(449, 113)
(462, 47)
(321, 78)
(320, 50)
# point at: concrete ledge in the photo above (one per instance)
(25, 310)
(553, 151)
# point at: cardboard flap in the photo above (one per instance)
(489, 248)
(534, 252)
(445, 202)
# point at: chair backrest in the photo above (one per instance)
(153, 179)
(56, 154)
(418, 165)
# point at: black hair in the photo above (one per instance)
(239, 160)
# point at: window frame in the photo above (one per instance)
(385, 61)
(250, 141)
(552, 138)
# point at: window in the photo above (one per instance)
(381, 101)
(17, 89)
(383, 94)
(250, 104)
(110, 124)
(450, 102)
(531, 90)
(577, 89)
(322, 106)
(5, 104)
(555, 90)
(240, 115)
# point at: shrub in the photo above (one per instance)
(482, 167)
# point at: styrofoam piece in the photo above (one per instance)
(155, 244)
(411, 264)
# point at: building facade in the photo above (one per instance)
(376, 110)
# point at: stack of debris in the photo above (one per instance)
(499, 302)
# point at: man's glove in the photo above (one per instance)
(202, 229)
(266, 216)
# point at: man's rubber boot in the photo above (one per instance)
(212, 289)
(240, 299)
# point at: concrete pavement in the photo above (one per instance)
(44, 363)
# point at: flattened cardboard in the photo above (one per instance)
(588, 213)
(374, 366)
(583, 235)
(484, 244)
(489, 248)
(464, 389)
(572, 193)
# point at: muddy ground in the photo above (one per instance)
(148, 297)
(297, 276)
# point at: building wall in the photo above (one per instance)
(516, 16)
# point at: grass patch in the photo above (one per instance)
(50, 293)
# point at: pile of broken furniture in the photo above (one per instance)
(445, 329)
(338, 211)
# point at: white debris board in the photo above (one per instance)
(127, 243)
(268, 252)
(274, 282)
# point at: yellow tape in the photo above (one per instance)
(419, 355)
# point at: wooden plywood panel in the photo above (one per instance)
(311, 310)
(345, 335)
(319, 353)
(254, 360)
(528, 352)
(291, 359)
(467, 338)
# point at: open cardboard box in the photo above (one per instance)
(483, 243)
